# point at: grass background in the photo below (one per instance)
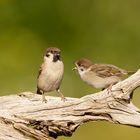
(103, 31)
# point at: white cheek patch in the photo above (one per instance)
(80, 71)
(51, 55)
(50, 58)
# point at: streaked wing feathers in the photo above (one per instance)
(40, 70)
(105, 70)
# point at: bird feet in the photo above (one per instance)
(109, 89)
(63, 98)
(44, 100)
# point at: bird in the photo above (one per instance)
(50, 73)
(99, 76)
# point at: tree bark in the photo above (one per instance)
(24, 116)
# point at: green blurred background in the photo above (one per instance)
(104, 31)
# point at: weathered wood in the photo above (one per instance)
(24, 116)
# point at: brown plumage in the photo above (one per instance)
(99, 75)
(84, 63)
(52, 50)
(50, 73)
(106, 70)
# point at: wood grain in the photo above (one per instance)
(24, 116)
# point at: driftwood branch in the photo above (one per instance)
(24, 116)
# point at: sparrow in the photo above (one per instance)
(100, 76)
(50, 73)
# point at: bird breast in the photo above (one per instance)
(51, 76)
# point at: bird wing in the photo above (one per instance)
(40, 70)
(106, 70)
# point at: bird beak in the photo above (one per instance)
(75, 68)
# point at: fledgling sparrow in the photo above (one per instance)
(99, 75)
(50, 73)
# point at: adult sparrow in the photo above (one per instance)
(50, 73)
(99, 75)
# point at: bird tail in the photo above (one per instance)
(131, 72)
(38, 91)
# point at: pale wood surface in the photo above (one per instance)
(24, 116)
